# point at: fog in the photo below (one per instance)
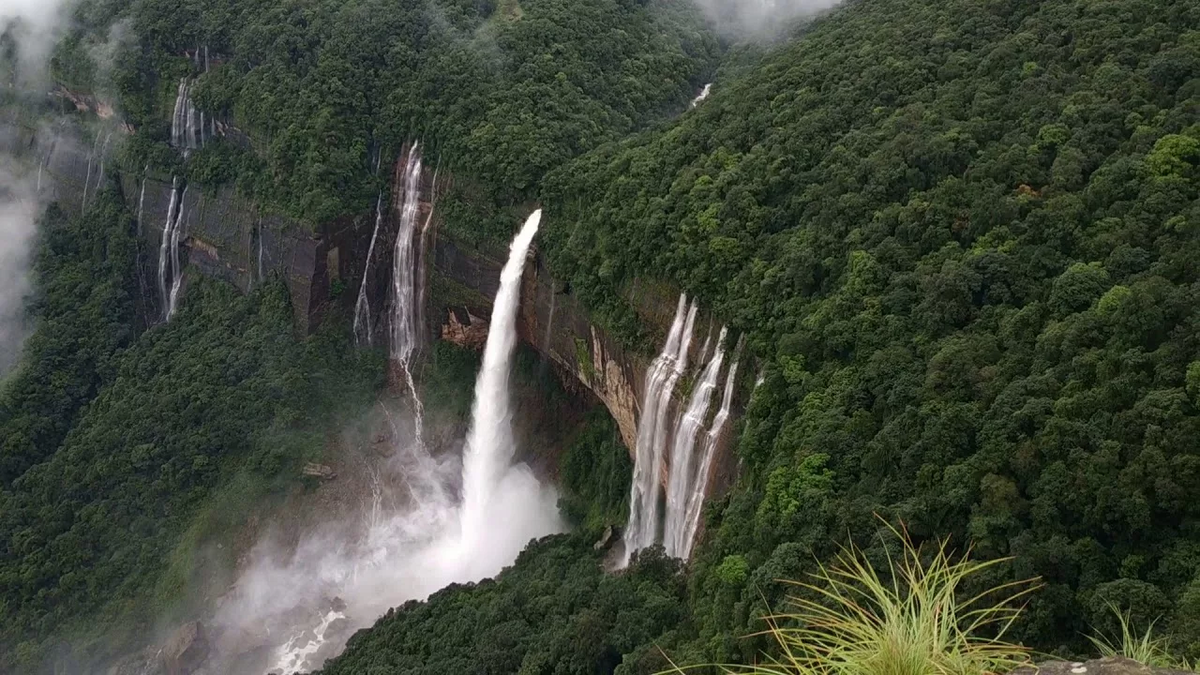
(35, 25)
(759, 19)
(19, 210)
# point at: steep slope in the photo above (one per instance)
(961, 237)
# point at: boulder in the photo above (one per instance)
(319, 471)
(186, 650)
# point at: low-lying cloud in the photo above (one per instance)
(34, 26)
(759, 19)
(18, 215)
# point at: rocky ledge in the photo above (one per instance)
(1113, 665)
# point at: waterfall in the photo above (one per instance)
(362, 307)
(414, 546)
(88, 178)
(703, 95)
(683, 477)
(405, 313)
(184, 124)
(142, 198)
(176, 268)
(695, 499)
(490, 445)
(164, 247)
(652, 437)
(261, 276)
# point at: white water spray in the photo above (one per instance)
(412, 539)
(703, 95)
(682, 477)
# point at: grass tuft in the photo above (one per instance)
(1141, 647)
(910, 618)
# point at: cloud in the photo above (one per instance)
(35, 26)
(759, 19)
(18, 215)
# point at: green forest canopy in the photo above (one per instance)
(962, 237)
(502, 91)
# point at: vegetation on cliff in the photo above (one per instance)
(961, 238)
(502, 92)
(134, 435)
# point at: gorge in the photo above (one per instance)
(564, 338)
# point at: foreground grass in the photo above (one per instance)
(908, 618)
(1141, 647)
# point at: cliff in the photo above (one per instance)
(227, 236)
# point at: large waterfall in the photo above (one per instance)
(413, 537)
(653, 430)
(681, 478)
(686, 468)
(489, 480)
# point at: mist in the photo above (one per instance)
(35, 26)
(18, 216)
(759, 19)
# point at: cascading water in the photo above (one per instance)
(490, 445)
(405, 328)
(176, 267)
(362, 306)
(682, 477)
(703, 95)
(410, 547)
(652, 438)
(695, 499)
(184, 124)
(164, 248)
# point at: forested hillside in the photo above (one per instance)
(962, 237)
(962, 240)
(115, 443)
(503, 91)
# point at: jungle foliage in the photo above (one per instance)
(321, 89)
(135, 433)
(961, 238)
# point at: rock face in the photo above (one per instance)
(1114, 665)
(226, 236)
(222, 234)
(186, 650)
(550, 321)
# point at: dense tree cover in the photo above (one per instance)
(500, 91)
(84, 317)
(225, 389)
(962, 239)
(554, 612)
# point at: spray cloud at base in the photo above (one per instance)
(429, 522)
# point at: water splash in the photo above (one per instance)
(413, 537)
